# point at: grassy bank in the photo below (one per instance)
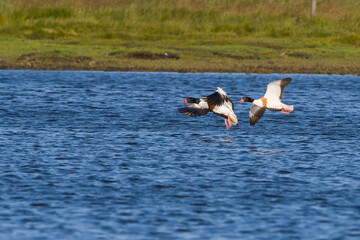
(186, 36)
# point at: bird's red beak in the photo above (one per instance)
(240, 100)
(185, 101)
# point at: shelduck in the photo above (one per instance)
(270, 101)
(218, 103)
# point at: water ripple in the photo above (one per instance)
(102, 155)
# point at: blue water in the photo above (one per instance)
(101, 155)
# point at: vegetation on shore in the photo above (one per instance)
(262, 36)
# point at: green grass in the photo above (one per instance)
(207, 35)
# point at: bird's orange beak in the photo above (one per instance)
(241, 100)
(185, 101)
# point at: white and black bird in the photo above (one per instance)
(218, 103)
(270, 101)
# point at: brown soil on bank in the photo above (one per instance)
(171, 62)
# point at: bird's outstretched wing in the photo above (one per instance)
(195, 110)
(255, 114)
(215, 99)
(275, 90)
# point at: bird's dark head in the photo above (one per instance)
(191, 100)
(246, 99)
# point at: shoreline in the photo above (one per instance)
(45, 54)
(253, 68)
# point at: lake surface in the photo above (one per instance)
(103, 155)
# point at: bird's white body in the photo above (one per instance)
(272, 98)
(226, 109)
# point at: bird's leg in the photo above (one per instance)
(226, 123)
(229, 122)
(286, 112)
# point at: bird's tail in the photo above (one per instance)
(233, 118)
(290, 107)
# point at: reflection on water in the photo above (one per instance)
(261, 151)
(205, 139)
(101, 155)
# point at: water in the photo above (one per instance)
(100, 155)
